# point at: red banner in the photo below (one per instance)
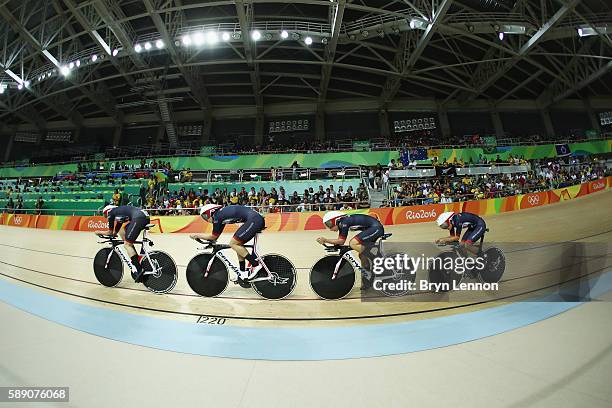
(418, 213)
(533, 200)
(597, 185)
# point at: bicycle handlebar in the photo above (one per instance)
(334, 248)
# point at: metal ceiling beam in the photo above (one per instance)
(100, 95)
(27, 114)
(191, 78)
(112, 15)
(61, 104)
(571, 69)
(581, 80)
(249, 48)
(337, 15)
(498, 72)
(410, 58)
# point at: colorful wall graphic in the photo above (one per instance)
(313, 220)
(326, 160)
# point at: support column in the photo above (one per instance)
(497, 123)
(206, 129)
(444, 124)
(76, 135)
(320, 126)
(117, 135)
(259, 126)
(548, 125)
(383, 120)
(9, 147)
(592, 116)
(159, 136)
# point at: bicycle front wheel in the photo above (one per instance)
(214, 283)
(321, 280)
(164, 275)
(109, 272)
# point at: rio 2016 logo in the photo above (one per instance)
(18, 220)
(598, 185)
(420, 214)
(533, 200)
(97, 225)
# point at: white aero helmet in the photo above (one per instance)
(206, 212)
(108, 209)
(331, 218)
(444, 218)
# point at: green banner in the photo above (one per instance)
(328, 160)
(263, 161)
(361, 145)
(489, 140)
(207, 150)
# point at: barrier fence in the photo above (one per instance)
(304, 221)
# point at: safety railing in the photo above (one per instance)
(186, 149)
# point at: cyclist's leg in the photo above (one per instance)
(472, 236)
(363, 241)
(130, 235)
(244, 234)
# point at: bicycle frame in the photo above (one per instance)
(120, 251)
(230, 265)
(351, 259)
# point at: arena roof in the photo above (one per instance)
(72, 60)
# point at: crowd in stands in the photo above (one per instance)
(542, 175)
(183, 202)
(157, 194)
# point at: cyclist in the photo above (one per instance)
(371, 229)
(252, 223)
(134, 221)
(455, 222)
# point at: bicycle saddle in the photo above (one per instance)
(149, 226)
(385, 236)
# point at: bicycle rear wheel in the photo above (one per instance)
(283, 281)
(212, 285)
(495, 266)
(165, 276)
(321, 280)
(112, 274)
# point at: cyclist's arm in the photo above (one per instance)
(338, 241)
(205, 237)
(445, 240)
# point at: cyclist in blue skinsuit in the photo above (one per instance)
(371, 230)
(135, 221)
(455, 222)
(252, 223)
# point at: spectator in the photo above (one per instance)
(39, 205)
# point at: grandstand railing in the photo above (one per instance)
(188, 149)
(262, 208)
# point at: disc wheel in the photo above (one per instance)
(112, 274)
(165, 276)
(214, 283)
(495, 266)
(398, 279)
(321, 280)
(283, 281)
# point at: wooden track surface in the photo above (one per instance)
(61, 262)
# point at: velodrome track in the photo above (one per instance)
(59, 263)
(531, 353)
